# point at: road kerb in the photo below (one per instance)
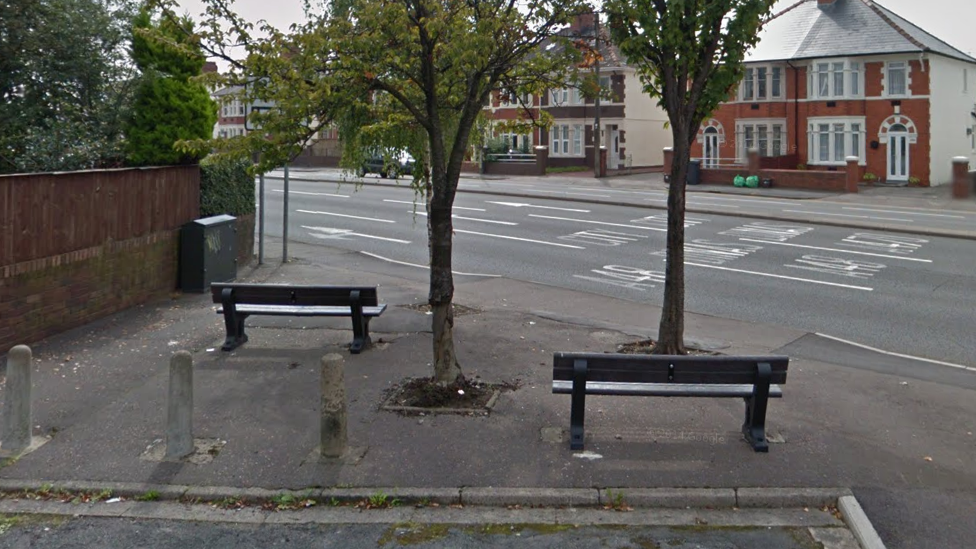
(859, 523)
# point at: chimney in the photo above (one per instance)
(209, 66)
(583, 22)
(826, 4)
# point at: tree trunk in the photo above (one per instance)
(440, 231)
(670, 339)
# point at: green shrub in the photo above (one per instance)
(226, 187)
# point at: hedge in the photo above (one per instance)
(226, 187)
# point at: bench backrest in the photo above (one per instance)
(668, 369)
(285, 294)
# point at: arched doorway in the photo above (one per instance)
(898, 157)
(710, 147)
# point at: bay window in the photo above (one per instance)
(566, 140)
(761, 83)
(832, 140)
(765, 135)
(834, 79)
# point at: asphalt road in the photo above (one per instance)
(892, 291)
(57, 533)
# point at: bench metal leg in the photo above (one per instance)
(360, 324)
(754, 427)
(233, 322)
(578, 407)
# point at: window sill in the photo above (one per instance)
(834, 164)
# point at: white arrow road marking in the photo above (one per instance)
(473, 219)
(313, 194)
(522, 239)
(521, 205)
(421, 204)
(344, 215)
(600, 223)
(329, 233)
(422, 266)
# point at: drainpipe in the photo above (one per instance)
(796, 109)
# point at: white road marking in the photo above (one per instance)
(836, 250)
(903, 212)
(421, 204)
(899, 355)
(847, 215)
(348, 232)
(313, 194)
(906, 209)
(782, 276)
(521, 239)
(574, 194)
(472, 219)
(423, 266)
(599, 223)
(349, 216)
(523, 205)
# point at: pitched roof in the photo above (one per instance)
(847, 27)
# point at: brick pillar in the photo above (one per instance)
(752, 161)
(541, 159)
(853, 173)
(960, 177)
(602, 165)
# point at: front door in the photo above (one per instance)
(897, 153)
(711, 148)
(614, 161)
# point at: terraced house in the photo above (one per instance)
(832, 79)
(632, 127)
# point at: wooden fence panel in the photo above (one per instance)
(47, 214)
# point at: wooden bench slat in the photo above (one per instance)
(664, 389)
(655, 368)
(277, 294)
(303, 310)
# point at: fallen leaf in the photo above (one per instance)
(927, 458)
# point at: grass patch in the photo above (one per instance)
(566, 169)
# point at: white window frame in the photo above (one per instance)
(751, 79)
(747, 132)
(886, 78)
(853, 145)
(559, 97)
(563, 136)
(844, 73)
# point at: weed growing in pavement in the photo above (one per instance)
(151, 495)
(615, 501)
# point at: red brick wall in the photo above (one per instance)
(794, 179)
(79, 246)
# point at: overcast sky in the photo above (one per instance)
(954, 21)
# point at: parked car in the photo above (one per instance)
(391, 165)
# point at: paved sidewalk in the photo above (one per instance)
(903, 445)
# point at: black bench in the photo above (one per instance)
(753, 378)
(239, 301)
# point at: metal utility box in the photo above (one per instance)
(694, 172)
(208, 252)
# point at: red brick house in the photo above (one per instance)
(832, 79)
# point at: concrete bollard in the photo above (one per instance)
(332, 425)
(179, 418)
(17, 404)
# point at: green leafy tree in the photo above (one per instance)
(689, 56)
(171, 104)
(395, 74)
(66, 83)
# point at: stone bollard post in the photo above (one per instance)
(752, 161)
(17, 402)
(179, 419)
(541, 159)
(332, 426)
(960, 177)
(853, 174)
